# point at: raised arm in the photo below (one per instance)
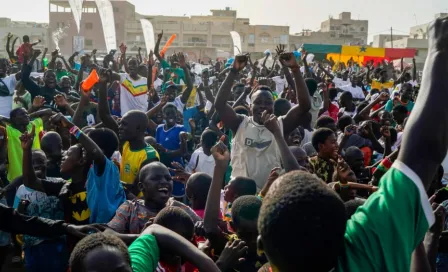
(92, 149)
(156, 48)
(30, 179)
(67, 66)
(328, 74)
(29, 84)
(43, 57)
(414, 70)
(186, 93)
(10, 52)
(288, 160)
(212, 209)
(293, 118)
(226, 113)
(71, 60)
(368, 108)
(103, 106)
(176, 244)
(425, 142)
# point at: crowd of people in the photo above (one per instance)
(154, 166)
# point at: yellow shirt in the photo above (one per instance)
(376, 84)
(15, 151)
(131, 160)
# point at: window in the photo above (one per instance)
(276, 40)
(89, 26)
(251, 39)
(89, 10)
(53, 8)
(89, 43)
(362, 28)
(264, 38)
(116, 9)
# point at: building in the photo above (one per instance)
(346, 28)
(334, 31)
(201, 37)
(417, 39)
(36, 31)
(381, 39)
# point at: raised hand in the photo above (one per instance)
(105, 76)
(60, 120)
(240, 62)
(27, 138)
(183, 136)
(55, 53)
(94, 51)
(233, 254)
(45, 50)
(61, 100)
(288, 60)
(151, 61)
(38, 101)
(270, 122)
(123, 48)
(160, 35)
(221, 154)
(280, 49)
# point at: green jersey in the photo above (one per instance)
(384, 232)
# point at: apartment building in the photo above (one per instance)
(36, 31)
(201, 37)
(344, 27)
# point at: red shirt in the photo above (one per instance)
(26, 49)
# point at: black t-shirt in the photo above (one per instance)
(74, 199)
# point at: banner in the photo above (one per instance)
(76, 7)
(236, 43)
(78, 43)
(107, 20)
(148, 33)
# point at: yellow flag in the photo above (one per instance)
(363, 51)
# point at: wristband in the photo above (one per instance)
(75, 131)
(343, 185)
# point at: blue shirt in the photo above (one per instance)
(170, 140)
(189, 113)
(104, 193)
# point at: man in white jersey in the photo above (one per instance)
(254, 149)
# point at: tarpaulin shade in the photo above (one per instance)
(322, 48)
(398, 53)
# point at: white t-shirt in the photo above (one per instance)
(355, 91)
(254, 151)
(6, 101)
(205, 164)
(338, 82)
(158, 84)
(133, 93)
(279, 84)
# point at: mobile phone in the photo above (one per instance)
(441, 195)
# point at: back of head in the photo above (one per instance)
(93, 242)
(281, 107)
(106, 139)
(244, 186)
(208, 138)
(311, 84)
(26, 39)
(198, 186)
(177, 220)
(320, 136)
(333, 93)
(302, 219)
(324, 122)
(49, 140)
(344, 121)
(245, 208)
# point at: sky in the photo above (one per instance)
(298, 14)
